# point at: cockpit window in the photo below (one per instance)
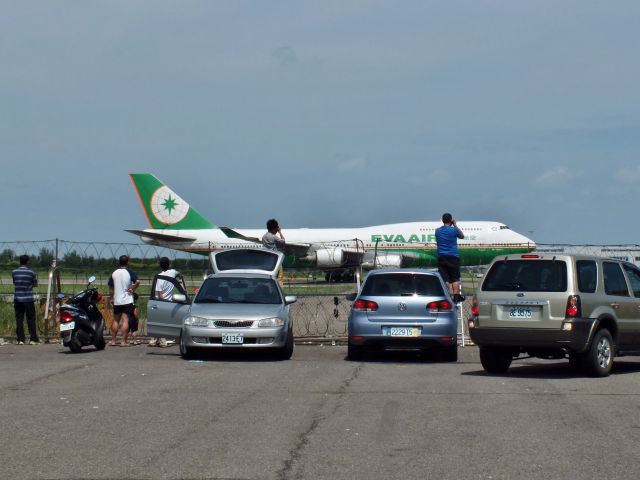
(504, 227)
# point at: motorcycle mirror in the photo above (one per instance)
(92, 279)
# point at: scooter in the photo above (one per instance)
(81, 322)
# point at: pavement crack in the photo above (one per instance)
(303, 439)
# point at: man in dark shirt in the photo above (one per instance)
(448, 257)
(24, 279)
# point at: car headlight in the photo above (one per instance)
(270, 322)
(196, 322)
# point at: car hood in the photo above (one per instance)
(236, 310)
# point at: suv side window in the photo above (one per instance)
(587, 275)
(614, 282)
(634, 277)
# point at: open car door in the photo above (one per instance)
(165, 315)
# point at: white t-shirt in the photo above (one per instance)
(121, 281)
(164, 288)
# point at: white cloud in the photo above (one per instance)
(352, 164)
(554, 176)
(628, 176)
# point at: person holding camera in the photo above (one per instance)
(448, 257)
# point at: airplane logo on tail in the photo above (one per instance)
(167, 206)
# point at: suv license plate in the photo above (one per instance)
(403, 332)
(232, 338)
(520, 312)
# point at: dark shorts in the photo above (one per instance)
(449, 268)
(128, 309)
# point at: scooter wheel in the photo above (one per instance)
(74, 345)
(100, 344)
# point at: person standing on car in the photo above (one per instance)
(274, 240)
(24, 279)
(448, 257)
(164, 291)
(122, 284)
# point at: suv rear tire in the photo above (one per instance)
(598, 360)
(495, 360)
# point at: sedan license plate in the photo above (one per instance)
(403, 332)
(232, 338)
(67, 326)
(520, 312)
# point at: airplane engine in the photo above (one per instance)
(330, 257)
(389, 261)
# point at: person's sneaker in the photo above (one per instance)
(20, 342)
(457, 298)
(34, 342)
(163, 343)
(153, 342)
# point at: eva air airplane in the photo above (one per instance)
(177, 225)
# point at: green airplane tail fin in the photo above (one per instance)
(164, 208)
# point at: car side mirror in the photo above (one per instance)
(351, 296)
(179, 298)
(289, 299)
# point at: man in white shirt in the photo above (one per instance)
(164, 291)
(122, 283)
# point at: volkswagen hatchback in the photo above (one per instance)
(403, 309)
(240, 306)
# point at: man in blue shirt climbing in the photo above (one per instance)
(448, 257)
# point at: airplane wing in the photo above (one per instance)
(161, 236)
(297, 249)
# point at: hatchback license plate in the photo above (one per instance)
(232, 338)
(67, 326)
(520, 312)
(403, 332)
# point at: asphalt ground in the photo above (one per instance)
(143, 412)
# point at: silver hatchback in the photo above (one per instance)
(403, 309)
(240, 306)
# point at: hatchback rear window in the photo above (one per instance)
(403, 284)
(527, 275)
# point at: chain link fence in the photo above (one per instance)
(319, 314)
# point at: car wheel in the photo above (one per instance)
(449, 354)
(495, 360)
(599, 358)
(357, 352)
(186, 352)
(284, 353)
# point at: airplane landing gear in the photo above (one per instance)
(346, 275)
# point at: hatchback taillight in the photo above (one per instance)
(65, 317)
(573, 306)
(440, 306)
(365, 305)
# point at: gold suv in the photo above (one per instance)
(555, 306)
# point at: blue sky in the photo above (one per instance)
(322, 114)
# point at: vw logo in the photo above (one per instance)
(402, 306)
